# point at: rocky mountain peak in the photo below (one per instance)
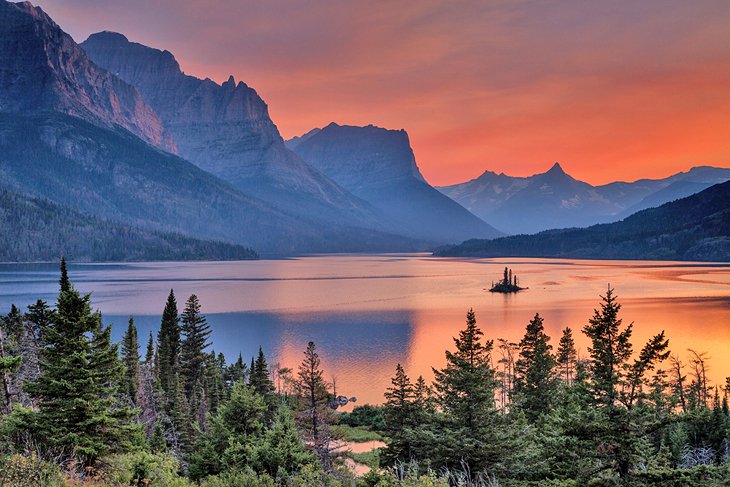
(43, 70)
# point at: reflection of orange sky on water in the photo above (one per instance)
(369, 312)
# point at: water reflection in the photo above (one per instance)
(367, 313)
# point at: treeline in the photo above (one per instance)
(39, 230)
(78, 408)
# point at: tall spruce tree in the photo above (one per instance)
(168, 348)
(567, 356)
(260, 378)
(76, 408)
(130, 359)
(149, 356)
(196, 334)
(315, 414)
(399, 415)
(465, 391)
(535, 382)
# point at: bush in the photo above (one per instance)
(143, 468)
(367, 415)
(19, 470)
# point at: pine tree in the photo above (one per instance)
(610, 350)
(399, 415)
(196, 333)
(130, 359)
(64, 282)
(149, 356)
(465, 387)
(168, 349)
(314, 396)
(465, 393)
(260, 378)
(567, 355)
(9, 363)
(535, 381)
(76, 410)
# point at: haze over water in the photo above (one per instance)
(368, 312)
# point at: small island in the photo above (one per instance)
(509, 284)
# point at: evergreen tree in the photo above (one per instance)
(149, 355)
(76, 410)
(567, 355)
(196, 333)
(168, 349)
(465, 394)
(610, 350)
(535, 381)
(260, 378)
(130, 359)
(64, 282)
(314, 396)
(9, 363)
(399, 415)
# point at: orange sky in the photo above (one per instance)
(612, 90)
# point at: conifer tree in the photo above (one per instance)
(130, 359)
(260, 378)
(567, 355)
(465, 393)
(168, 349)
(314, 396)
(64, 282)
(196, 333)
(611, 348)
(149, 356)
(535, 381)
(76, 410)
(399, 415)
(9, 363)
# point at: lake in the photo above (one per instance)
(366, 313)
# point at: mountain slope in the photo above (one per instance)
(556, 200)
(38, 230)
(693, 228)
(226, 130)
(90, 163)
(378, 166)
(43, 69)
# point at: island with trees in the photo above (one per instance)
(508, 284)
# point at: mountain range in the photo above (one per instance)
(554, 199)
(693, 228)
(113, 134)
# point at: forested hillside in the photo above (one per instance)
(693, 228)
(38, 230)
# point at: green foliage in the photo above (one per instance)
(19, 470)
(535, 381)
(356, 434)
(77, 412)
(369, 416)
(142, 468)
(130, 359)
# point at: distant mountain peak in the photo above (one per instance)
(556, 169)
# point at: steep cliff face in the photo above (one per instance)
(378, 166)
(226, 130)
(43, 69)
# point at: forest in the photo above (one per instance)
(78, 409)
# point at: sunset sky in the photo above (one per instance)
(611, 89)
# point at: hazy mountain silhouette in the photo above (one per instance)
(378, 166)
(556, 200)
(693, 228)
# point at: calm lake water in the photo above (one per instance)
(368, 312)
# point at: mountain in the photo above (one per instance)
(226, 130)
(60, 141)
(38, 230)
(693, 228)
(556, 200)
(43, 69)
(378, 166)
